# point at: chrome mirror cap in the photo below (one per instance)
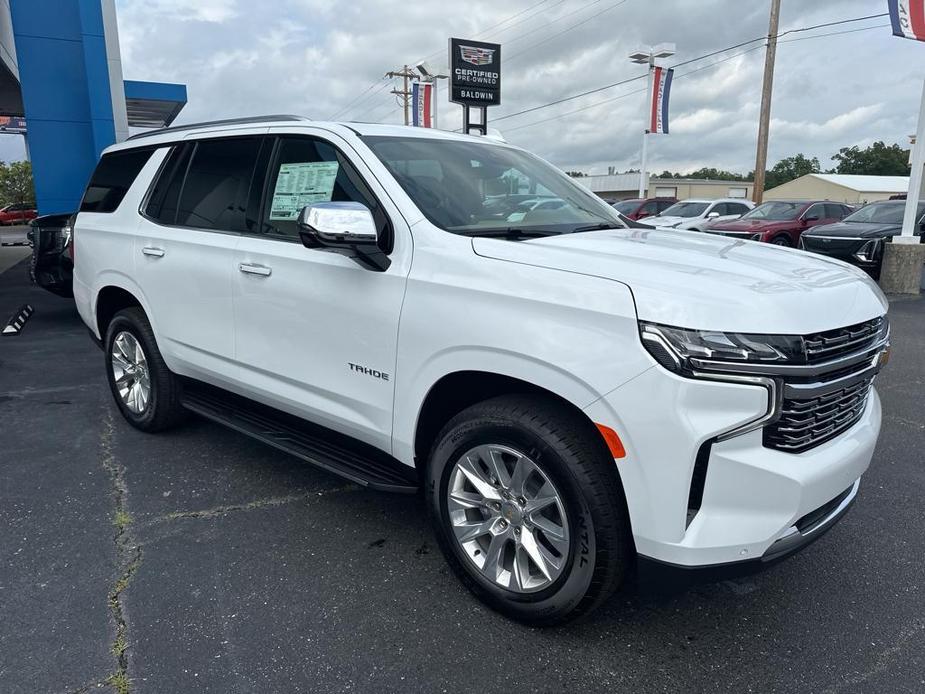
(348, 223)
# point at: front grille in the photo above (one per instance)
(806, 423)
(830, 344)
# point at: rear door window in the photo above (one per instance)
(834, 211)
(112, 178)
(215, 191)
(162, 201)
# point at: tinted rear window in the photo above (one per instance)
(162, 202)
(112, 178)
(215, 191)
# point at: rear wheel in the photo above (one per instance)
(528, 508)
(145, 390)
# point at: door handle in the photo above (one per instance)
(252, 269)
(153, 252)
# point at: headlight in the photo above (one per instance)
(869, 252)
(675, 348)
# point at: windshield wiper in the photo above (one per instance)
(512, 233)
(597, 227)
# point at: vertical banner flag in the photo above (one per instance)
(420, 104)
(660, 92)
(908, 18)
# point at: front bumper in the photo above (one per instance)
(663, 575)
(752, 496)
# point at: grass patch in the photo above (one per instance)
(120, 682)
(121, 519)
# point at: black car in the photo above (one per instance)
(858, 238)
(52, 266)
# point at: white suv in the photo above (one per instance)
(695, 215)
(570, 396)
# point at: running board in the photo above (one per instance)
(353, 460)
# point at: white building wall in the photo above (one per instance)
(7, 47)
(114, 61)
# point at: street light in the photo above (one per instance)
(429, 74)
(648, 56)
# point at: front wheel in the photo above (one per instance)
(528, 508)
(781, 241)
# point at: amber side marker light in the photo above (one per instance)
(612, 440)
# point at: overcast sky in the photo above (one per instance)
(241, 57)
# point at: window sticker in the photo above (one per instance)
(300, 184)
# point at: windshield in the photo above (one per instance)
(882, 213)
(474, 187)
(626, 207)
(685, 209)
(776, 210)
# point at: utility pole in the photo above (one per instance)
(764, 121)
(405, 73)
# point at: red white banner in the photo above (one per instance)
(908, 18)
(421, 95)
(661, 90)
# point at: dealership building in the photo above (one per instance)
(61, 69)
(625, 186)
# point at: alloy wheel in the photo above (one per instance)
(508, 517)
(130, 372)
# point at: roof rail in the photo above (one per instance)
(227, 121)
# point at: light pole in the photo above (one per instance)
(429, 74)
(648, 56)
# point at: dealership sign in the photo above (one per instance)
(475, 73)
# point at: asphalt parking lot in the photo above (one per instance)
(201, 561)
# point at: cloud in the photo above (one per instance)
(316, 57)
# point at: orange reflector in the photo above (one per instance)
(612, 440)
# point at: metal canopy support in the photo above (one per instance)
(481, 127)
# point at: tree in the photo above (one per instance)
(790, 168)
(876, 160)
(713, 174)
(576, 174)
(16, 182)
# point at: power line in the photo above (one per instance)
(567, 29)
(689, 72)
(835, 33)
(503, 21)
(350, 103)
(628, 94)
(686, 62)
(366, 102)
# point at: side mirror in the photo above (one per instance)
(343, 227)
(713, 215)
(641, 215)
(814, 218)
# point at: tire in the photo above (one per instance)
(161, 409)
(782, 241)
(568, 452)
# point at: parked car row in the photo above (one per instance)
(781, 222)
(835, 229)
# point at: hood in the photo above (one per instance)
(754, 225)
(855, 230)
(703, 281)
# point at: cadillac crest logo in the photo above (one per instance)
(476, 56)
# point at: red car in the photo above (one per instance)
(640, 208)
(781, 222)
(16, 214)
